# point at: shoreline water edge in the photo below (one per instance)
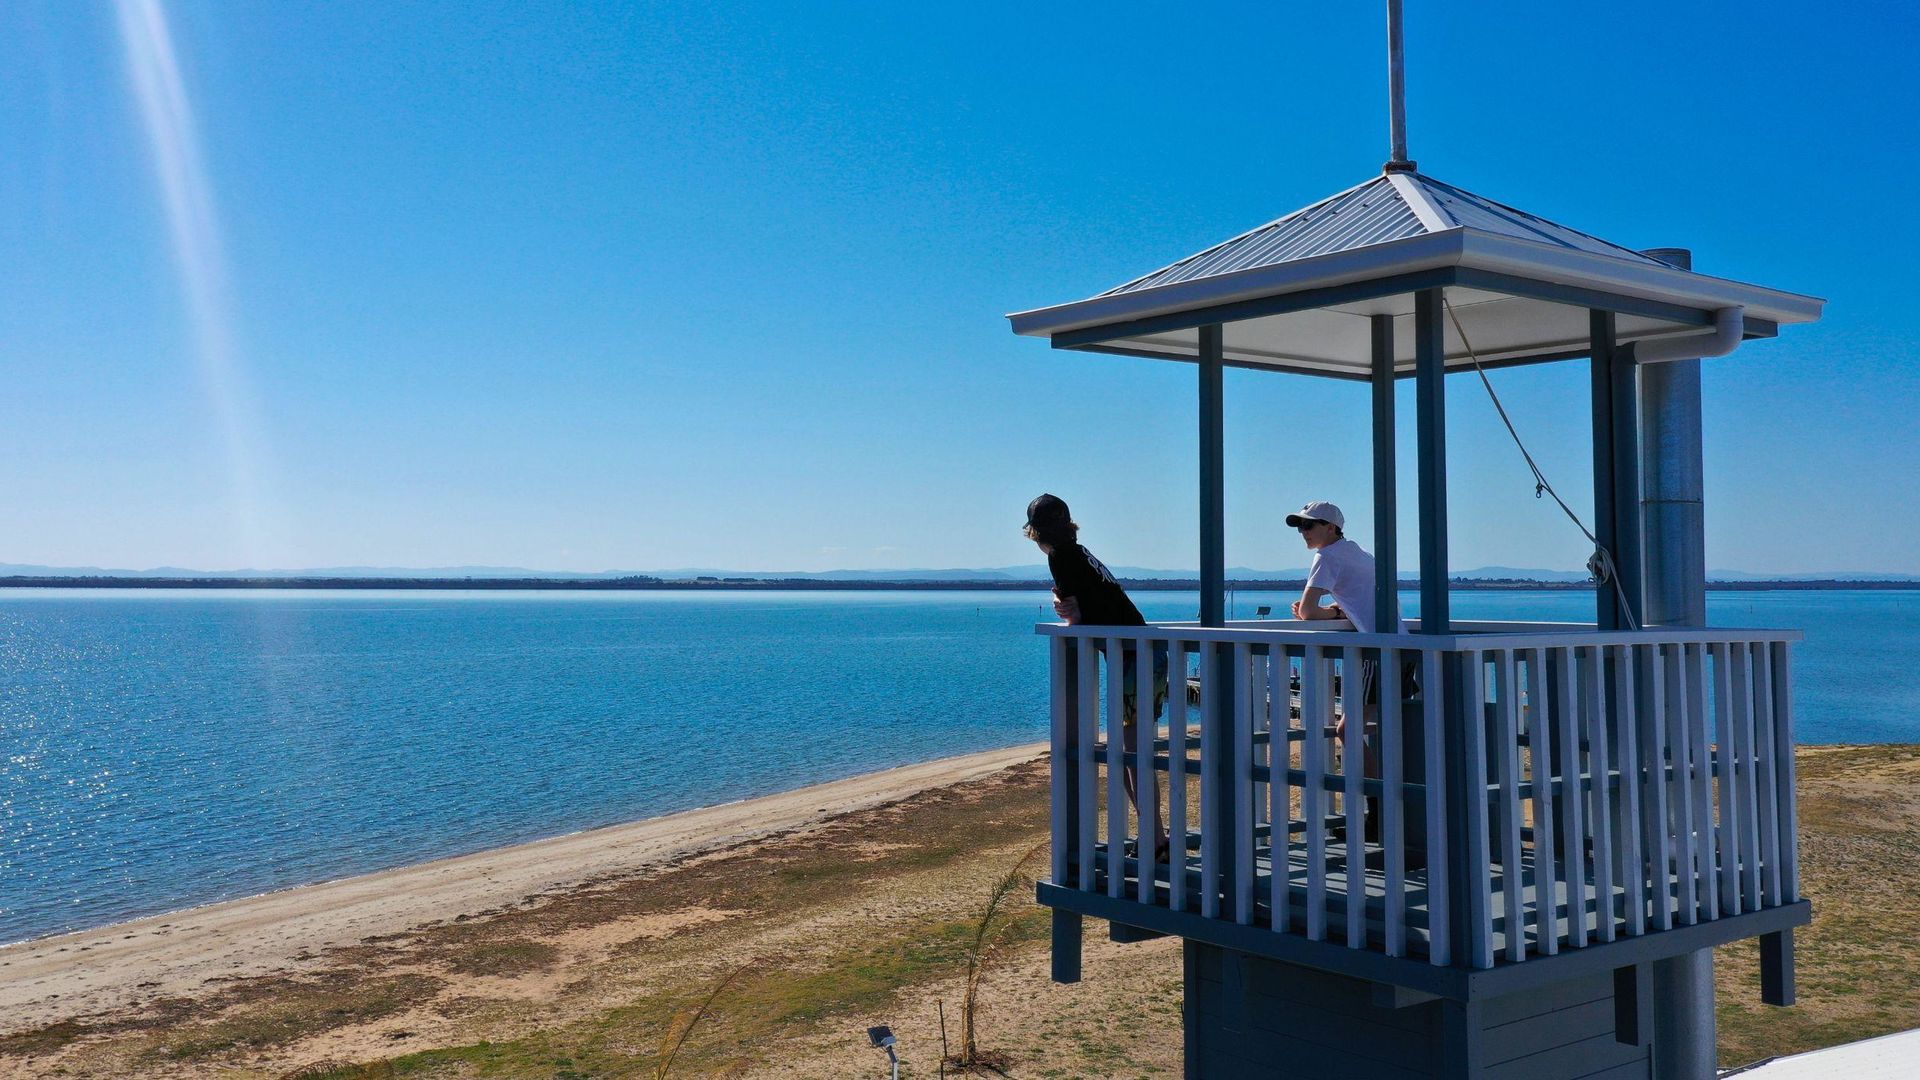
(155, 956)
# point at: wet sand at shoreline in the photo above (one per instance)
(49, 979)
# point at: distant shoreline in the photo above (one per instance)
(646, 584)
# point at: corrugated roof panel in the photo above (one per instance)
(1372, 213)
(1478, 212)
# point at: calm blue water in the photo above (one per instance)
(165, 749)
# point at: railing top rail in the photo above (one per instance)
(1466, 636)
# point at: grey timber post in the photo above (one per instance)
(1684, 1025)
(1218, 706)
(1430, 414)
(1386, 519)
(1616, 472)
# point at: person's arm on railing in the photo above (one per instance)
(1310, 605)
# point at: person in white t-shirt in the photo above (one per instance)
(1342, 571)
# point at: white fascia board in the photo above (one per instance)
(1409, 255)
(1582, 269)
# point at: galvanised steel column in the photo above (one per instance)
(1673, 487)
(1673, 479)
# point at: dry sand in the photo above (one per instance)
(91, 972)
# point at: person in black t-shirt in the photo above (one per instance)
(1085, 593)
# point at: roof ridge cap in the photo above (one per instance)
(1638, 256)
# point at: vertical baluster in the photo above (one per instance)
(1316, 711)
(1704, 840)
(1547, 876)
(1573, 834)
(1687, 857)
(1439, 894)
(1262, 725)
(1741, 654)
(1629, 870)
(1479, 892)
(1209, 781)
(1243, 783)
(1280, 811)
(1593, 697)
(1146, 777)
(1512, 872)
(1177, 717)
(1061, 764)
(1116, 768)
(1785, 771)
(1088, 815)
(1392, 808)
(1353, 800)
(1657, 813)
(1765, 778)
(1727, 753)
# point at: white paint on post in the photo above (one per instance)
(1593, 703)
(1548, 878)
(1749, 798)
(1209, 783)
(1177, 717)
(1316, 712)
(1243, 783)
(1512, 872)
(1783, 753)
(1352, 798)
(1062, 812)
(1765, 741)
(1709, 892)
(1479, 892)
(1392, 808)
(1089, 818)
(1439, 893)
(1573, 837)
(1629, 870)
(1116, 769)
(1678, 708)
(1146, 777)
(1279, 762)
(1727, 752)
(1658, 808)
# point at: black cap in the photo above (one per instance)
(1048, 511)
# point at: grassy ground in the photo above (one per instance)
(866, 922)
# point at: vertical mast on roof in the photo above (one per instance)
(1397, 93)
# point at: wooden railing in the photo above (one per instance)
(1609, 784)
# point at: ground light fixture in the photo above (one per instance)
(882, 1038)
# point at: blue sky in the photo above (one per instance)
(655, 285)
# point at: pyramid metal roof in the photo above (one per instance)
(1298, 292)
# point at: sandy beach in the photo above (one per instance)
(814, 914)
(76, 975)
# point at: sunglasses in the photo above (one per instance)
(1309, 526)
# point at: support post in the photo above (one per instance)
(1213, 554)
(1685, 1027)
(1217, 710)
(1606, 473)
(1430, 358)
(1386, 518)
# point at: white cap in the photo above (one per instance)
(1317, 511)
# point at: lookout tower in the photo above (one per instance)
(1570, 816)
